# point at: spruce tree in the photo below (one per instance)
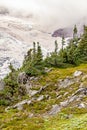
(63, 43)
(11, 68)
(28, 57)
(82, 47)
(78, 53)
(34, 50)
(39, 54)
(75, 31)
(38, 63)
(75, 35)
(56, 47)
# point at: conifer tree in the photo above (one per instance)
(11, 68)
(75, 35)
(34, 50)
(78, 54)
(56, 47)
(75, 31)
(63, 43)
(39, 53)
(82, 47)
(28, 57)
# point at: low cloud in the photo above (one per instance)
(52, 13)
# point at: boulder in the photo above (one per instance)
(82, 91)
(64, 104)
(66, 93)
(40, 98)
(81, 105)
(19, 105)
(66, 82)
(28, 87)
(43, 88)
(77, 73)
(33, 92)
(59, 96)
(22, 78)
(73, 98)
(55, 109)
(31, 115)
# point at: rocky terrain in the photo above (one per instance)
(54, 101)
(59, 97)
(76, 94)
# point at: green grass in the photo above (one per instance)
(20, 120)
(76, 122)
(14, 119)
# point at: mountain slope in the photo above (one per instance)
(57, 100)
(16, 37)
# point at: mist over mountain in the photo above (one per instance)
(58, 13)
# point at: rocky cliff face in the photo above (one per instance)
(68, 31)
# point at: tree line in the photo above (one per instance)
(74, 54)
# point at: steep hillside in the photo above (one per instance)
(57, 100)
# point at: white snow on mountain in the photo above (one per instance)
(16, 37)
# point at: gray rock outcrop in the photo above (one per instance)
(22, 78)
(65, 82)
(55, 109)
(77, 73)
